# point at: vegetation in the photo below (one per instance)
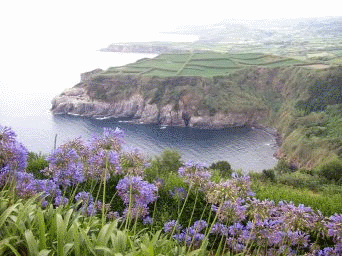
(302, 102)
(202, 64)
(99, 200)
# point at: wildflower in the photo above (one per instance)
(72, 175)
(147, 220)
(172, 225)
(199, 225)
(178, 193)
(84, 197)
(13, 155)
(61, 200)
(195, 174)
(103, 162)
(136, 194)
(110, 140)
(219, 229)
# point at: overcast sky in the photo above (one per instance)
(98, 23)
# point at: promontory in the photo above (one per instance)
(207, 90)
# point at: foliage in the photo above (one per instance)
(332, 170)
(224, 168)
(35, 164)
(268, 174)
(108, 208)
(322, 94)
(282, 167)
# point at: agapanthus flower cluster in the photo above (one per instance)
(136, 195)
(231, 211)
(95, 160)
(88, 206)
(178, 193)
(13, 155)
(103, 163)
(66, 167)
(110, 140)
(195, 174)
(237, 187)
(192, 236)
(133, 162)
(265, 235)
(334, 226)
(172, 226)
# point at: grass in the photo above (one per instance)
(213, 64)
(327, 203)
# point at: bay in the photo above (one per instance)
(29, 81)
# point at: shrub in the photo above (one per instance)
(268, 174)
(332, 170)
(282, 167)
(300, 180)
(224, 168)
(36, 163)
(169, 161)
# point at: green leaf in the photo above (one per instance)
(60, 234)
(42, 231)
(6, 214)
(31, 242)
(44, 252)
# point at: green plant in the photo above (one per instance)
(282, 167)
(224, 168)
(268, 174)
(36, 163)
(332, 170)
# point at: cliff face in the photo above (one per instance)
(247, 97)
(151, 100)
(76, 101)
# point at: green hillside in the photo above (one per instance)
(202, 64)
(301, 99)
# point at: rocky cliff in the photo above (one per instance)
(176, 101)
(251, 96)
(76, 101)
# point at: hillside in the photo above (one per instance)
(305, 39)
(211, 90)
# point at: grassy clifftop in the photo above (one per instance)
(203, 64)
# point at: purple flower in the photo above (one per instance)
(84, 197)
(147, 220)
(61, 200)
(199, 225)
(110, 140)
(195, 174)
(103, 162)
(172, 225)
(13, 155)
(136, 188)
(72, 175)
(178, 193)
(219, 229)
(136, 194)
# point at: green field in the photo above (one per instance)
(202, 64)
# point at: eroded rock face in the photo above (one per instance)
(152, 100)
(75, 101)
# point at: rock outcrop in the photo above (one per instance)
(76, 101)
(192, 101)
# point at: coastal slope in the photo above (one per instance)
(214, 91)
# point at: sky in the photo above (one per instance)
(72, 23)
